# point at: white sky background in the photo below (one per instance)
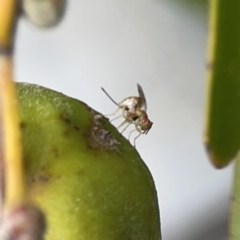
(162, 46)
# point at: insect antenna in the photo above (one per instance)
(109, 96)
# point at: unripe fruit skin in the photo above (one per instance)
(87, 178)
(44, 13)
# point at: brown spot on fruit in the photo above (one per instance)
(76, 128)
(65, 119)
(22, 125)
(67, 131)
(99, 137)
(40, 178)
(55, 152)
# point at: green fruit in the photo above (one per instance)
(44, 13)
(87, 178)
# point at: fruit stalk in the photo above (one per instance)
(11, 142)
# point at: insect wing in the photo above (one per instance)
(143, 98)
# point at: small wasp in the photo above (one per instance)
(134, 112)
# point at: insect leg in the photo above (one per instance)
(136, 138)
(130, 133)
(116, 118)
(123, 123)
(140, 133)
(125, 128)
(112, 114)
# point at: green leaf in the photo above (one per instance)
(235, 204)
(222, 133)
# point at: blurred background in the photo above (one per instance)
(160, 44)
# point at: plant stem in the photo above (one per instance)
(14, 192)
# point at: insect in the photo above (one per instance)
(134, 112)
(130, 104)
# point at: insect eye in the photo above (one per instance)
(144, 120)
